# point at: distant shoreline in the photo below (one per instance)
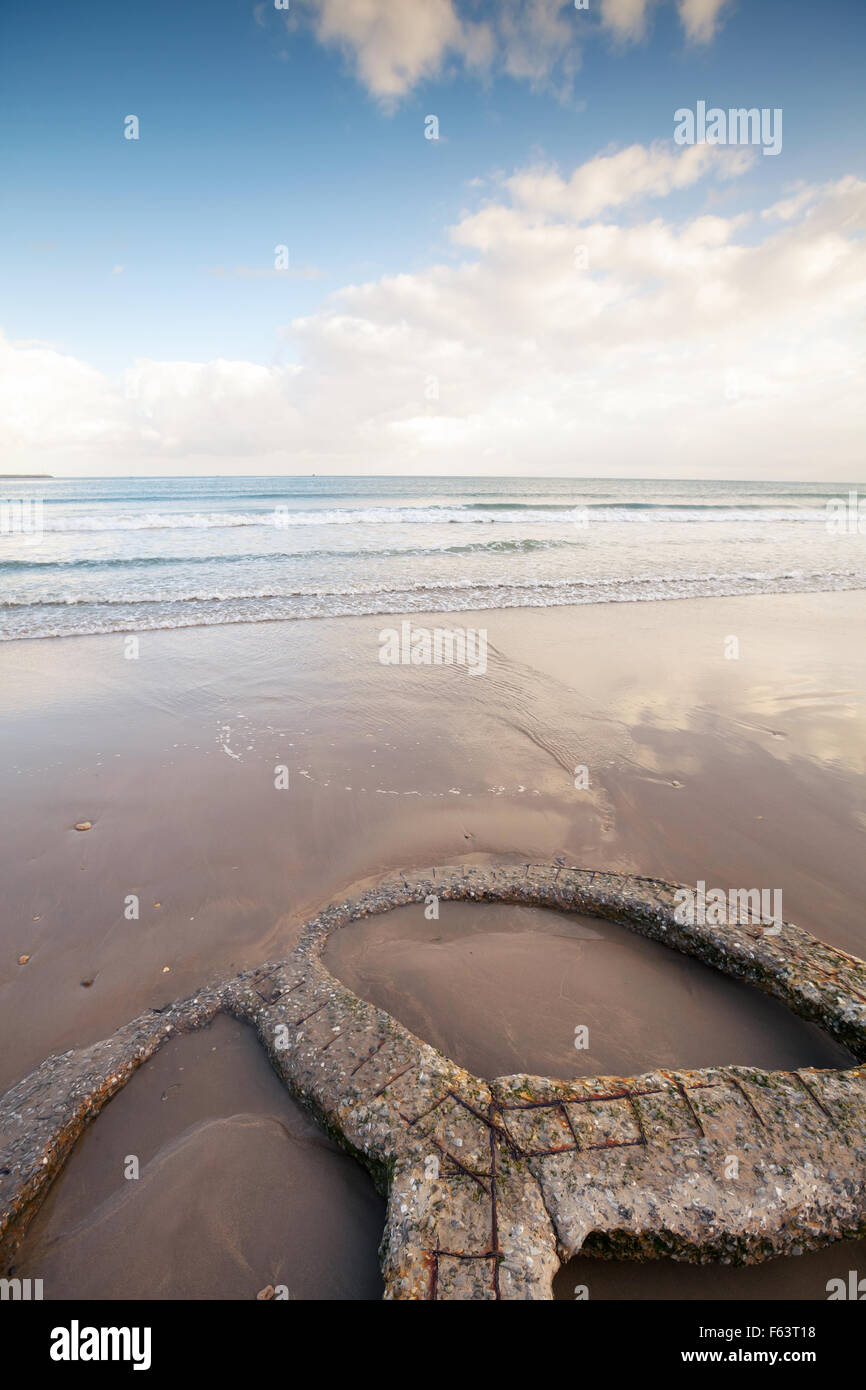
(23, 477)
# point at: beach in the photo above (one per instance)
(236, 778)
(432, 677)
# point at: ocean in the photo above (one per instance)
(93, 555)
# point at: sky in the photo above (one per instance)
(284, 273)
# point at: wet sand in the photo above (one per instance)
(238, 1189)
(743, 773)
(503, 989)
(803, 1277)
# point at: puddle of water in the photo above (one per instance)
(238, 1189)
(790, 1277)
(502, 989)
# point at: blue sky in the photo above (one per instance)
(256, 129)
(254, 134)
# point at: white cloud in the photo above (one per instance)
(629, 19)
(626, 18)
(700, 18)
(612, 180)
(539, 40)
(567, 339)
(797, 200)
(53, 405)
(393, 45)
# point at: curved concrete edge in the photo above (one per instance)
(491, 1184)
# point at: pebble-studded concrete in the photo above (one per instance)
(491, 1185)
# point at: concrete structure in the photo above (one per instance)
(491, 1185)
